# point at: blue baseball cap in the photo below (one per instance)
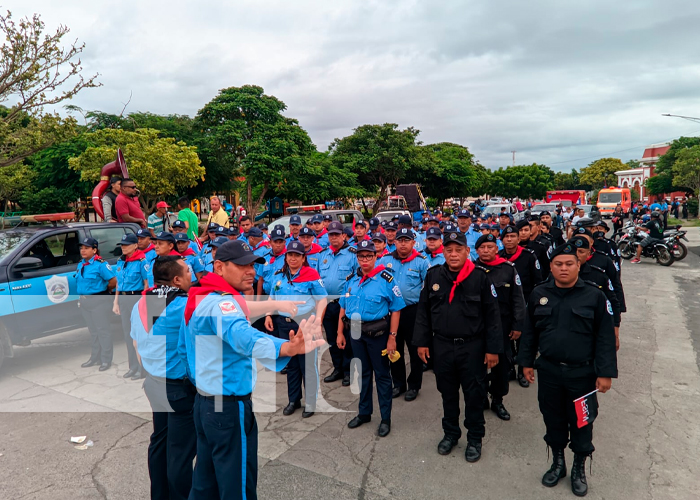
(433, 234)
(406, 219)
(391, 226)
(218, 241)
(317, 218)
(212, 226)
(221, 231)
(335, 227)
(262, 226)
(485, 226)
(328, 217)
(238, 252)
(181, 237)
(143, 233)
(495, 226)
(378, 237)
(348, 231)
(464, 213)
(450, 228)
(405, 233)
(278, 226)
(89, 242)
(178, 224)
(277, 234)
(255, 232)
(165, 236)
(366, 246)
(306, 231)
(296, 247)
(295, 220)
(129, 239)
(374, 223)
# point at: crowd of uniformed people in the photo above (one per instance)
(468, 299)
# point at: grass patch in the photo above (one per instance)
(672, 221)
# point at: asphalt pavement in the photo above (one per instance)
(646, 435)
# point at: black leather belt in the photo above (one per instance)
(224, 398)
(568, 365)
(134, 292)
(456, 340)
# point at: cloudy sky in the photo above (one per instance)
(560, 82)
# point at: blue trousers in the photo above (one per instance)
(341, 357)
(297, 370)
(227, 451)
(368, 350)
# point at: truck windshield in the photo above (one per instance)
(9, 240)
(610, 197)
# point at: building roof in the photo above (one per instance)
(655, 150)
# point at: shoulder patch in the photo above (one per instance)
(477, 266)
(422, 256)
(608, 306)
(531, 251)
(537, 263)
(352, 249)
(349, 276)
(597, 268)
(228, 307)
(592, 283)
(387, 276)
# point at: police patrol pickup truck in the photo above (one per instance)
(37, 278)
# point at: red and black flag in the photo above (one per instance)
(586, 409)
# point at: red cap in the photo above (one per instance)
(162, 204)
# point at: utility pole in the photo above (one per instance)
(513, 157)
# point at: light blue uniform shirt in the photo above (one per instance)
(220, 346)
(92, 276)
(373, 299)
(269, 269)
(290, 239)
(284, 288)
(472, 236)
(130, 275)
(437, 260)
(323, 241)
(334, 269)
(409, 276)
(158, 347)
(265, 252)
(196, 265)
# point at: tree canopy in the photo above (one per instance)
(521, 181)
(601, 173)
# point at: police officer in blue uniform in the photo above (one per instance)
(211, 234)
(146, 245)
(390, 233)
(294, 228)
(296, 280)
(409, 268)
(95, 278)
(370, 309)
(155, 330)
(180, 227)
(464, 222)
(336, 263)
(320, 229)
(192, 259)
(132, 278)
(213, 247)
(220, 347)
(433, 247)
(273, 263)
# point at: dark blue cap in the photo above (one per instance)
(232, 231)
(165, 236)
(406, 219)
(306, 231)
(585, 222)
(583, 230)
(366, 246)
(262, 226)
(495, 226)
(450, 228)
(238, 252)
(565, 249)
(395, 217)
(391, 226)
(317, 218)
(335, 227)
(433, 219)
(545, 212)
(455, 237)
(221, 231)
(348, 231)
(255, 232)
(328, 217)
(296, 247)
(405, 233)
(278, 226)
(464, 213)
(379, 237)
(218, 241)
(508, 230)
(374, 223)
(143, 233)
(580, 242)
(506, 214)
(182, 237)
(485, 226)
(433, 234)
(89, 242)
(129, 239)
(212, 226)
(309, 221)
(521, 224)
(485, 238)
(277, 234)
(179, 224)
(295, 219)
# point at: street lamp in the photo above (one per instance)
(690, 118)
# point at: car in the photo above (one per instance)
(549, 207)
(496, 209)
(347, 217)
(37, 277)
(387, 215)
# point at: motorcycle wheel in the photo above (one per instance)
(663, 256)
(626, 251)
(681, 252)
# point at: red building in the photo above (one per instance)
(636, 178)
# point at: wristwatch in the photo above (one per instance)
(393, 334)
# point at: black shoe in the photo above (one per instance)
(397, 391)
(411, 394)
(283, 371)
(558, 469)
(579, 486)
(523, 381)
(291, 407)
(346, 380)
(500, 411)
(359, 420)
(445, 446)
(425, 367)
(130, 373)
(511, 374)
(307, 414)
(138, 375)
(89, 363)
(384, 428)
(473, 452)
(105, 366)
(336, 375)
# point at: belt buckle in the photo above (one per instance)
(288, 320)
(458, 341)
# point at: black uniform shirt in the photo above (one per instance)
(540, 249)
(604, 262)
(528, 268)
(596, 276)
(558, 235)
(511, 301)
(472, 313)
(570, 325)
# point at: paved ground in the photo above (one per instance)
(646, 436)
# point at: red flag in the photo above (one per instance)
(198, 241)
(585, 409)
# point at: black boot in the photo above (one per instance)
(578, 476)
(558, 469)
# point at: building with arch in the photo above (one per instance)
(635, 178)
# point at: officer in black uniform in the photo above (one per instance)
(571, 326)
(556, 233)
(511, 304)
(600, 230)
(539, 236)
(539, 249)
(456, 300)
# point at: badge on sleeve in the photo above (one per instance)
(537, 263)
(517, 279)
(543, 301)
(610, 286)
(320, 282)
(227, 307)
(436, 287)
(109, 268)
(609, 307)
(493, 291)
(396, 291)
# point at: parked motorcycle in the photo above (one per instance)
(672, 238)
(659, 250)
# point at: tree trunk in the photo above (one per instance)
(258, 202)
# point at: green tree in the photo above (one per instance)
(380, 156)
(686, 168)
(521, 181)
(35, 72)
(323, 181)
(659, 184)
(601, 173)
(14, 180)
(665, 163)
(160, 167)
(245, 136)
(448, 170)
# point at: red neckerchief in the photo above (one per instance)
(314, 249)
(263, 243)
(372, 273)
(137, 255)
(175, 252)
(385, 252)
(150, 247)
(188, 252)
(306, 274)
(87, 262)
(494, 262)
(437, 252)
(325, 231)
(272, 259)
(514, 257)
(210, 283)
(589, 257)
(335, 252)
(413, 255)
(463, 274)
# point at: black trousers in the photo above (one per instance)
(227, 450)
(557, 388)
(499, 377)
(341, 358)
(97, 311)
(404, 336)
(461, 366)
(126, 305)
(174, 440)
(297, 370)
(368, 351)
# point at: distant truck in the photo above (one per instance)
(575, 196)
(609, 198)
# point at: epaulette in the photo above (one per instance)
(387, 276)
(279, 271)
(99, 259)
(593, 283)
(598, 269)
(422, 256)
(352, 249)
(477, 266)
(540, 283)
(509, 262)
(349, 276)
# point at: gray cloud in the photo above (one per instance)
(554, 80)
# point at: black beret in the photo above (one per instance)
(583, 230)
(580, 242)
(484, 238)
(565, 249)
(509, 230)
(521, 224)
